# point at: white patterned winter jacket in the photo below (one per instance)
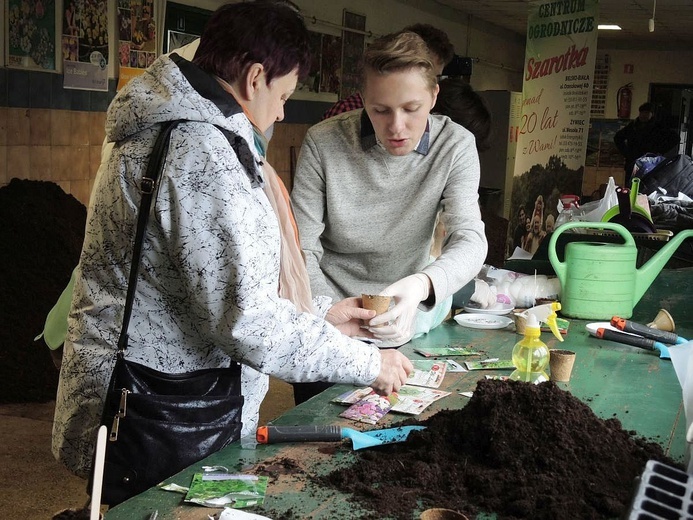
(207, 290)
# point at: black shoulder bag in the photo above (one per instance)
(161, 423)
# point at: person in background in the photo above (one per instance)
(528, 230)
(215, 287)
(645, 134)
(520, 228)
(370, 183)
(550, 223)
(535, 236)
(458, 100)
(441, 50)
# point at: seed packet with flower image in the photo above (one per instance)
(370, 409)
(353, 396)
(415, 399)
(427, 372)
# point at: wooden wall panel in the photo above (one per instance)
(285, 137)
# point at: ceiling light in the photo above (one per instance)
(609, 27)
(650, 22)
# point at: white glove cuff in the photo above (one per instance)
(425, 284)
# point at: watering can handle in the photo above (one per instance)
(559, 266)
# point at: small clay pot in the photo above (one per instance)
(377, 303)
(561, 364)
(520, 322)
(438, 513)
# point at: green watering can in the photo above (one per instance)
(599, 280)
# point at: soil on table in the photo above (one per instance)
(517, 449)
(40, 240)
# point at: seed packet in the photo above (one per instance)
(227, 490)
(370, 409)
(415, 399)
(503, 364)
(353, 396)
(454, 366)
(561, 323)
(446, 351)
(427, 373)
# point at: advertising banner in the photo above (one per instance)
(552, 136)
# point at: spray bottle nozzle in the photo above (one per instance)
(547, 314)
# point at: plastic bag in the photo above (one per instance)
(682, 359)
(497, 287)
(646, 163)
(594, 211)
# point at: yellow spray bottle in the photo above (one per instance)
(531, 355)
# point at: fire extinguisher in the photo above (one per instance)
(624, 97)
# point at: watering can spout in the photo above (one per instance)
(648, 272)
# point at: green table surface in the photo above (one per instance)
(615, 380)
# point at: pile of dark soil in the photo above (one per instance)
(40, 240)
(517, 449)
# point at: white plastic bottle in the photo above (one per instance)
(566, 209)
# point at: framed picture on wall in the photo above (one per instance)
(177, 39)
(324, 74)
(353, 42)
(31, 37)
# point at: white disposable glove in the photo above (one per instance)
(407, 293)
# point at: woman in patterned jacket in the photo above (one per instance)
(216, 283)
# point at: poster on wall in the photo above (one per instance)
(324, 75)
(136, 38)
(84, 44)
(31, 34)
(560, 56)
(353, 44)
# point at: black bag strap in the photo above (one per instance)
(151, 175)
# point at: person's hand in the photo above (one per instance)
(407, 293)
(394, 371)
(348, 315)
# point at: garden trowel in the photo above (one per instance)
(647, 332)
(634, 340)
(359, 440)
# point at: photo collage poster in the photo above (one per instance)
(84, 44)
(136, 38)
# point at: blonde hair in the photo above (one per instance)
(399, 52)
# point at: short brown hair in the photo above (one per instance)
(398, 52)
